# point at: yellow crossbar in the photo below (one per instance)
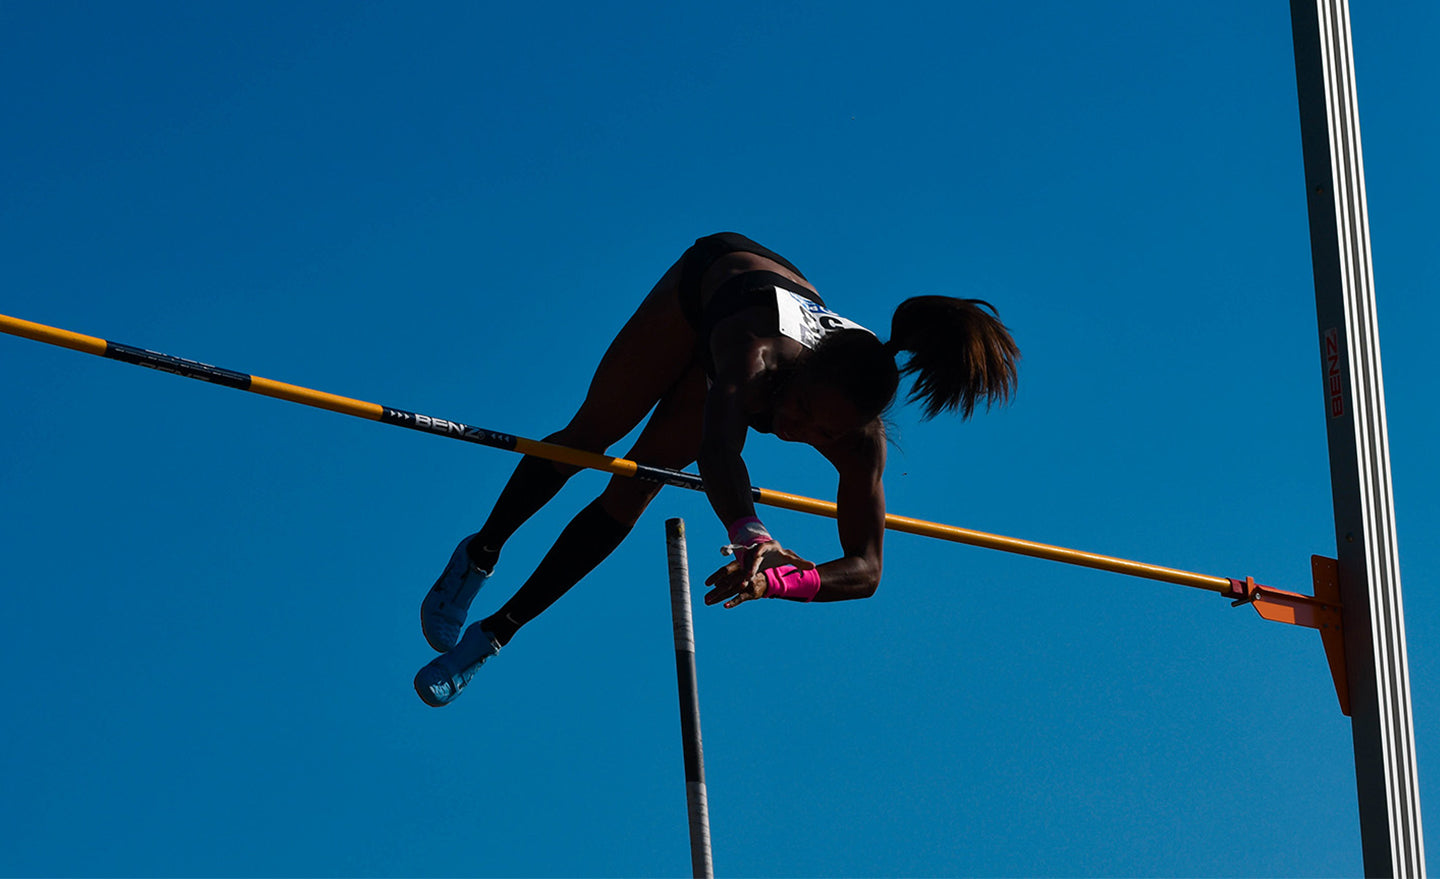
(617, 466)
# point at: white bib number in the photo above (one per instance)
(808, 322)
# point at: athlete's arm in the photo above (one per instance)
(859, 460)
(860, 502)
(727, 480)
(742, 360)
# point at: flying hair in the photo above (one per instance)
(960, 354)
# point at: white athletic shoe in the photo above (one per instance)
(444, 677)
(442, 613)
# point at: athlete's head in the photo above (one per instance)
(960, 354)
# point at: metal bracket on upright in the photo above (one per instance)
(1320, 611)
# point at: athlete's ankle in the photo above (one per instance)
(501, 626)
(482, 555)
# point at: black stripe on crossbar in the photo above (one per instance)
(445, 427)
(177, 366)
(669, 477)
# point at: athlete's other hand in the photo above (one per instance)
(744, 578)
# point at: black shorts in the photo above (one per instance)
(736, 293)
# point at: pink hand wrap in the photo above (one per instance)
(787, 581)
(748, 532)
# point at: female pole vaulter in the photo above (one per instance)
(732, 338)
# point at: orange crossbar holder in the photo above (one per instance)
(1320, 611)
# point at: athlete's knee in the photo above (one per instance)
(579, 440)
(625, 499)
(575, 436)
(584, 434)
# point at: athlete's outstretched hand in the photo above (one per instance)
(744, 578)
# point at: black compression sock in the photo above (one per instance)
(532, 485)
(586, 542)
(501, 626)
(482, 557)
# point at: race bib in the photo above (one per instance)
(806, 321)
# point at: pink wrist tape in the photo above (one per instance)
(787, 581)
(748, 532)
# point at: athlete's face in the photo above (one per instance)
(814, 413)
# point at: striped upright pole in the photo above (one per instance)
(1387, 778)
(701, 861)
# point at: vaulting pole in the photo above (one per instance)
(1373, 613)
(701, 862)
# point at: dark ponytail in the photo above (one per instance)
(959, 353)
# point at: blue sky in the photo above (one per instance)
(212, 597)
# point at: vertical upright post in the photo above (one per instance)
(1374, 621)
(700, 856)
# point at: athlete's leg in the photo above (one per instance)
(671, 439)
(651, 353)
